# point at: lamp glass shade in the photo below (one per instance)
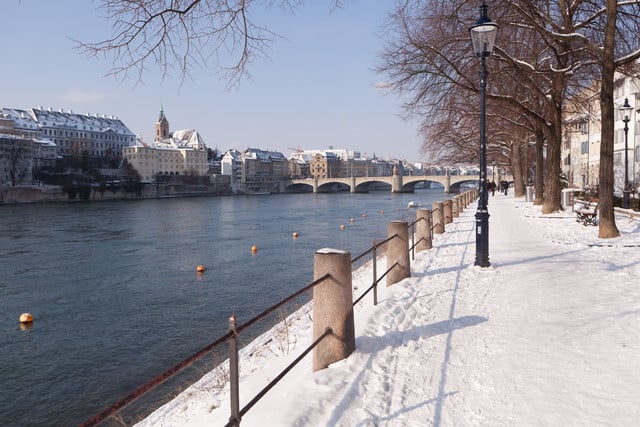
(625, 111)
(483, 37)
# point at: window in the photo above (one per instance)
(584, 147)
(584, 127)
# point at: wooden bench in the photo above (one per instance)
(586, 214)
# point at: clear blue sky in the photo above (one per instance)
(316, 88)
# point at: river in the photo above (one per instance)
(116, 298)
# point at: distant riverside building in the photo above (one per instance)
(325, 164)
(255, 170)
(337, 163)
(262, 169)
(88, 134)
(22, 151)
(39, 138)
(231, 165)
(180, 153)
(299, 166)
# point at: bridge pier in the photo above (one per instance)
(396, 185)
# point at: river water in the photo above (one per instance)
(116, 298)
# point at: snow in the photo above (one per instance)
(546, 336)
(331, 251)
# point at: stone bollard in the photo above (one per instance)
(332, 307)
(423, 230)
(448, 216)
(398, 252)
(455, 207)
(438, 217)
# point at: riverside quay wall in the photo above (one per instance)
(56, 193)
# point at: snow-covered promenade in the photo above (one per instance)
(546, 336)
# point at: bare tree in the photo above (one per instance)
(18, 155)
(549, 50)
(178, 35)
(613, 40)
(430, 60)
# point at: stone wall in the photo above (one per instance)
(54, 193)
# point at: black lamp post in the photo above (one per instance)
(483, 35)
(625, 111)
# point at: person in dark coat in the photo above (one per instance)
(505, 187)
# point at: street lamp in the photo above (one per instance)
(483, 35)
(625, 111)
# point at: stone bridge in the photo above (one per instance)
(361, 184)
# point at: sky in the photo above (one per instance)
(315, 88)
(546, 336)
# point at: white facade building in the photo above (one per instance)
(231, 164)
(181, 153)
(626, 87)
(74, 134)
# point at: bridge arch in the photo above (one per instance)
(363, 184)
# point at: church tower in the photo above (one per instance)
(162, 127)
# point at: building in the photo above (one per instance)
(182, 153)
(231, 165)
(262, 170)
(325, 164)
(299, 166)
(89, 135)
(581, 136)
(626, 87)
(36, 138)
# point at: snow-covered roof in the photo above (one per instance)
(263, 155)
(189, 137)
(46, 142)
(38, 118)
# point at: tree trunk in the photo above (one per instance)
(554, 158)
(539, 168)
(515, 158)
(607, 223)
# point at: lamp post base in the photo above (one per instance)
(482, 238)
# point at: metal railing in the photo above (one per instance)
(374, 286)
(233, 337)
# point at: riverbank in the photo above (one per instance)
(28, 194)
(545, 336)
(116, 298)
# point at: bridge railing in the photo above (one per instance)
(395, 255)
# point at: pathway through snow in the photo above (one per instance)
(548, 335)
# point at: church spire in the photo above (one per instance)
(162, 126)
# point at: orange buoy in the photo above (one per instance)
(381, 212)
(254, 249)
(26, 318)
(200, 269)
(364, 215)
(351, 220)
(341, 226)
(295, 234)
